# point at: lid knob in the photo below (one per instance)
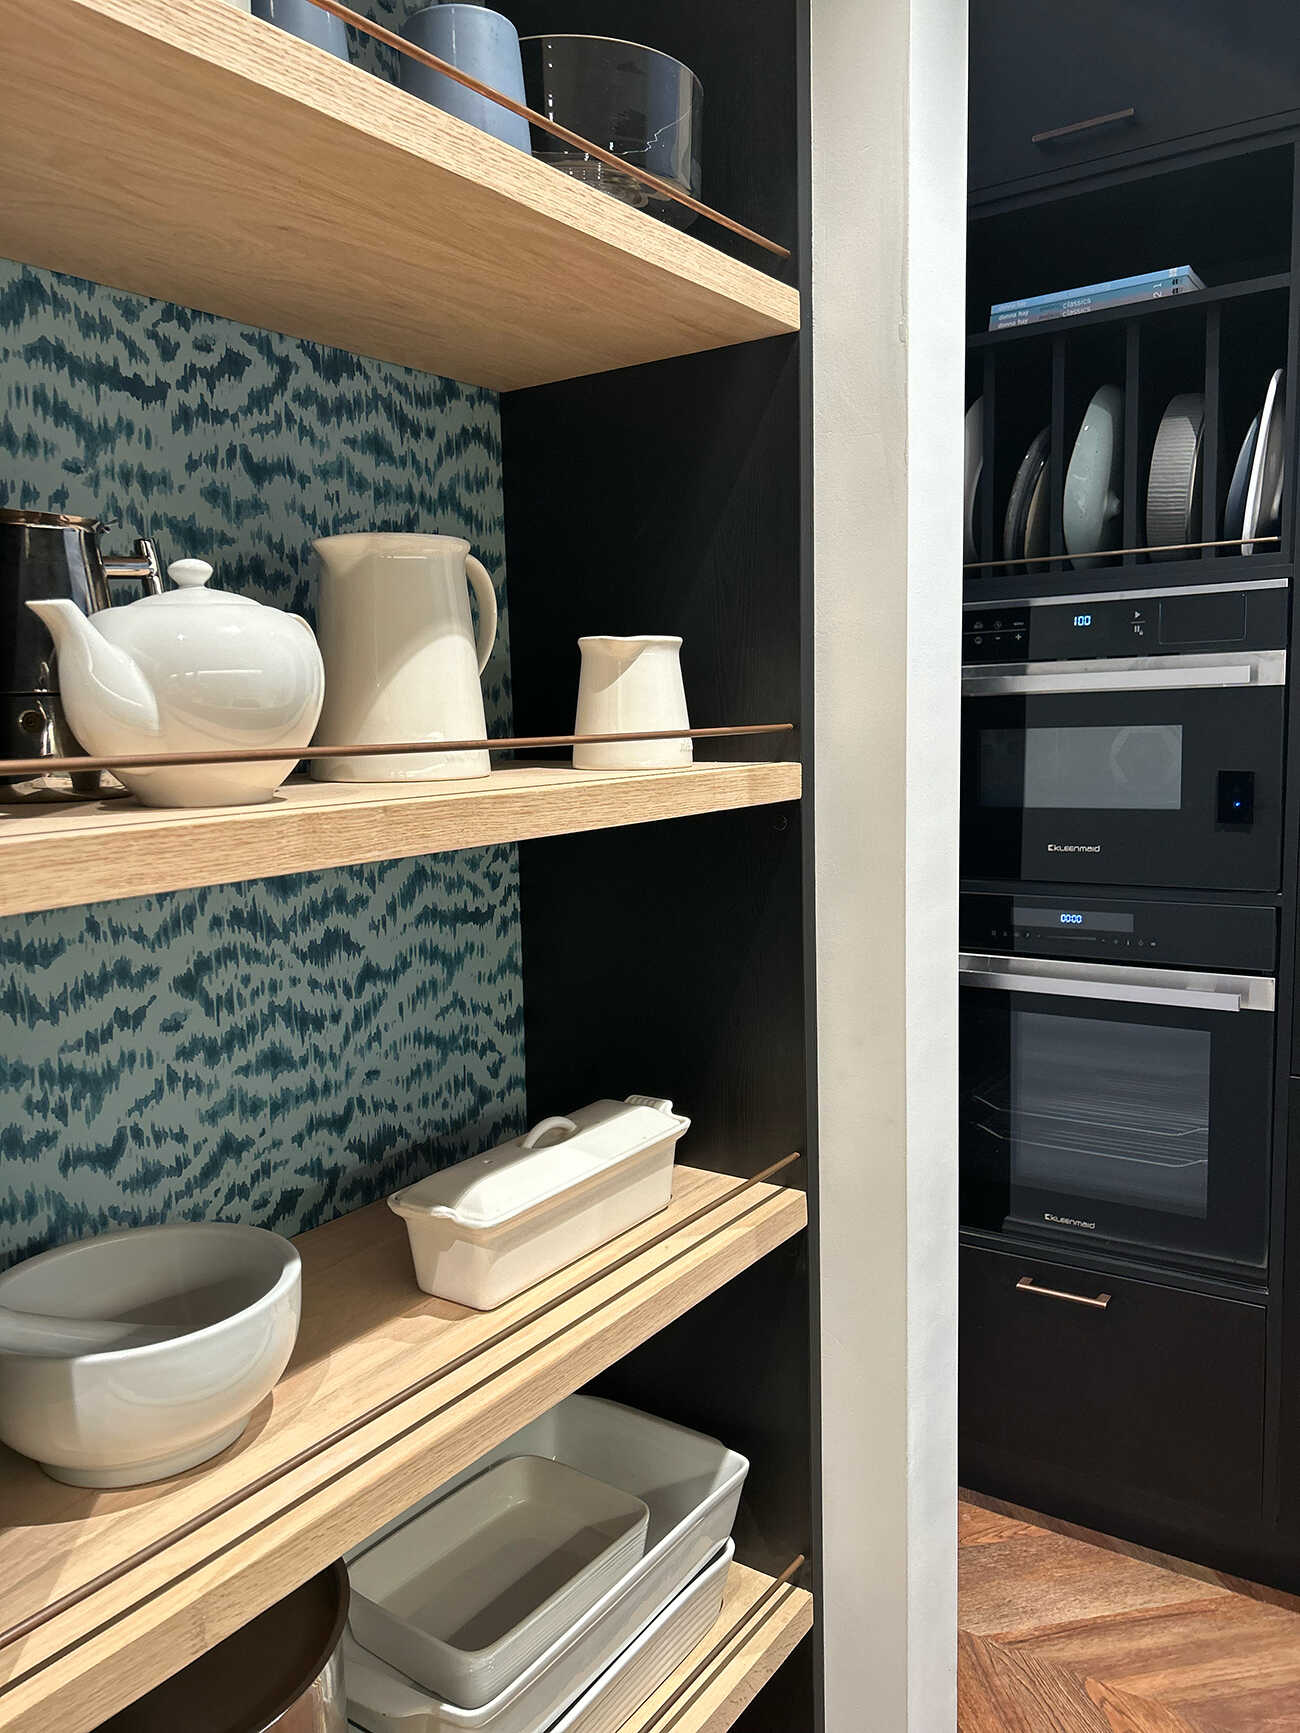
(189, 574)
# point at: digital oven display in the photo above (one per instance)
(1078, 920)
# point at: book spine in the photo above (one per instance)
(1076, 304)
(1182, 275)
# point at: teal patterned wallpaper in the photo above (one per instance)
(286, 1049)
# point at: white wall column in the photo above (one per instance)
(889, 164)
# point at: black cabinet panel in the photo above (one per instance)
(1182, 69)
(1160, 1394)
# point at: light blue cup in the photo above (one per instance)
(479, 42)
(301, 18)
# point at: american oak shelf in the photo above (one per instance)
(173, 1568)
(64, 855)
(182, 149)
(732, 1663)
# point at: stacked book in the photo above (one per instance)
(1119, 292)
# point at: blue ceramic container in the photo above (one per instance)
(480, 42)
(300, 18)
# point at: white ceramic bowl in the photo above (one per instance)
(132, 1415)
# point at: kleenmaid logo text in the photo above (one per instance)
(1074, 848)
(1066, 1221)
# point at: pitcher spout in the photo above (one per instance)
(109, 702)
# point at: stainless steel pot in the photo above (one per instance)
(50, 555)
(280, 1673)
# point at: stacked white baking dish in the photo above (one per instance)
(646, 1622)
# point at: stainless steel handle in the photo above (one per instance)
(145, 567)
(1076, 126)
(1142, 674)
(1098, 1302)
(1131, 986)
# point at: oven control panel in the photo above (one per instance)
(1180, 623)
(1093, 929)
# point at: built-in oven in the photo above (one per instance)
(1126, 740)
(1116, 1075)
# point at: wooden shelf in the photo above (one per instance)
(61, 856)
(735, 1675)
(181, 149)
(368, 1335)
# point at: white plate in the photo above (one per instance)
(1173, 481)
(1091, 508)
(1234, 515)
(1264, 494)
(974, 466)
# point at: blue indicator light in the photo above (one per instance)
(1083, 619)
(1071, 920)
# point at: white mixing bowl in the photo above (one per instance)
(131, 1415)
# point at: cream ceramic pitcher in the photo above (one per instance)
(401, 663)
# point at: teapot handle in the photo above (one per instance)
(145, 567)
(481, 584)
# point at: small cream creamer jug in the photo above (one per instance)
(401, 661)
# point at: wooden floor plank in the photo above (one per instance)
(1036, 1581)
(1060, 1633)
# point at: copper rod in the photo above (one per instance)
(748, 1617)
(1114, 553)
(302, 1458)
(393, 748)
(414, 52)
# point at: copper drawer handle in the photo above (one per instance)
(1027, 1285)
(1083, 126)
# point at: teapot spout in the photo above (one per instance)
(110, 704)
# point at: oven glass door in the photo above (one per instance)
(1113, 784)
(1130, 1106)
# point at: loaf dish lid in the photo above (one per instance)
(554, 1157)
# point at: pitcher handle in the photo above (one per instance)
(481, 584)
(145, 567)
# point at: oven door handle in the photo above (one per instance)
(1139, 674)
(1197, 993)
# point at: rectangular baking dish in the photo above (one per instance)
(692, 1485)
(487, 1228)
(469, 1592)
(397, 1706)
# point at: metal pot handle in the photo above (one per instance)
(144, 566)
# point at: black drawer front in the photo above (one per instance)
(1182, 69)
(1160, 1392)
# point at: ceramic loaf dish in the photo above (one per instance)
(394, 1705)
(692, 1485)
(466, 1596)
(483, 1231)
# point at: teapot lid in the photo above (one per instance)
(190, 578)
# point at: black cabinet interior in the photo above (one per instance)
(1177, 1422)
(1232, 219)
(671, 498)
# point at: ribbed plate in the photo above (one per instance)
(1173, 491)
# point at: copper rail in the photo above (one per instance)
(665, 188)
(697, 1675)
(15, 767)
(303, 1458)
(1114, 553)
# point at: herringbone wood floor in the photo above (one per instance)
(1058, 1635)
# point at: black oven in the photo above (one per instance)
(1116, 1075)
(1130, 740)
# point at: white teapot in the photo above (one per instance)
(191, 670)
